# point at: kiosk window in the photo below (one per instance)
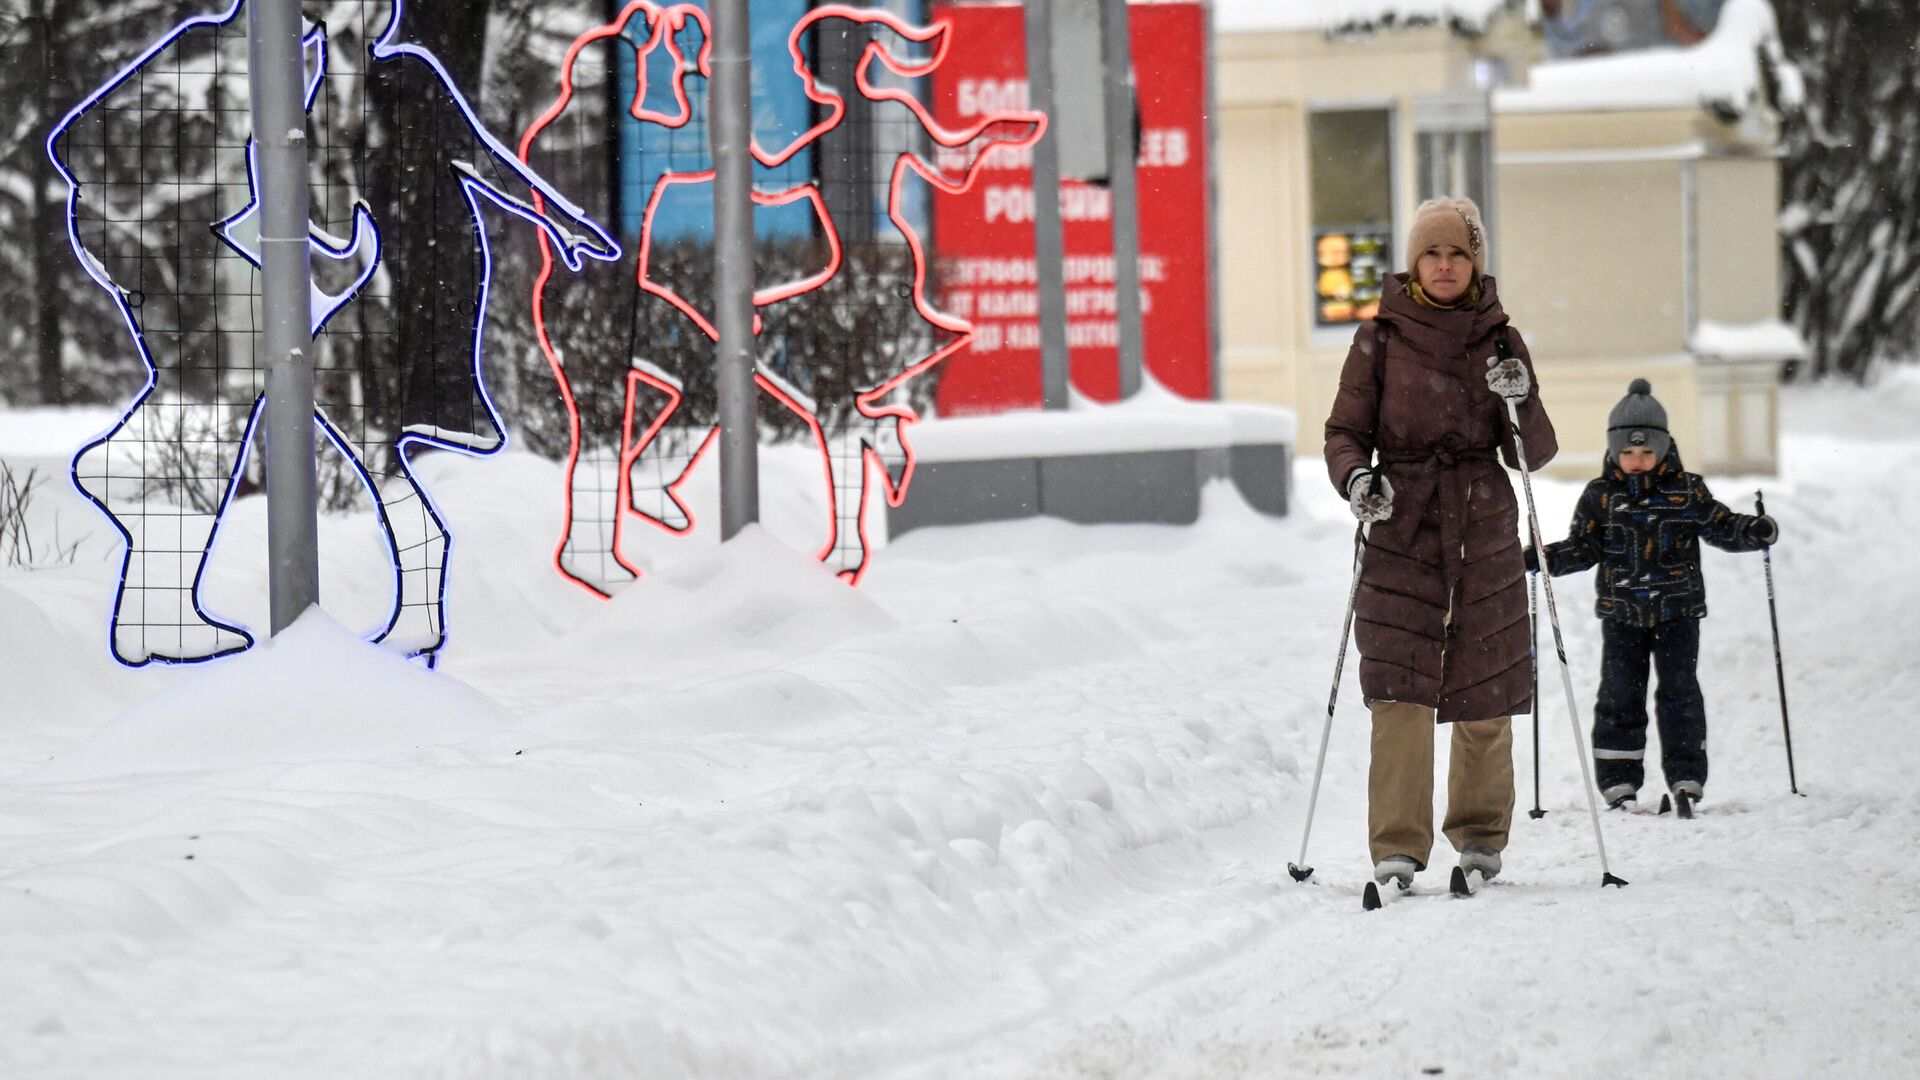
(1352, 191)
(1453, 149)
(1453, 163)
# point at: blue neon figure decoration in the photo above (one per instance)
(362, 248)
(200, 385)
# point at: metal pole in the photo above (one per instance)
(619, 91)
(1117, 73)
(1533, 661)
(1779, 665)
(1300, 870)
(730, 130)
(1559, 643)
(276, 70)
(1049, 245)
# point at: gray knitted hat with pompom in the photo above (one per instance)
(1638, 420)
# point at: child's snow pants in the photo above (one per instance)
(1672, 649)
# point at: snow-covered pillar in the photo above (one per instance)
(276, 70)
(730, 130)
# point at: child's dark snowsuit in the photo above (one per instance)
(1644, 532)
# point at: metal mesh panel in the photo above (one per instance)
(406, 188)
(844, 186)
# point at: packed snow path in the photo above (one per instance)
(1021, 806)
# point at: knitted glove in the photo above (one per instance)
(1763, 531)
(1369, 505)
(1508, 378)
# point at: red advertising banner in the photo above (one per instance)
(983, 240)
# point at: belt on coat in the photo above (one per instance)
(1452, 487)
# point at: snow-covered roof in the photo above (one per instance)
(1767, 340)
(1250, 16)
(1721, 72)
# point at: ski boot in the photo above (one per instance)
(1398, 869)
(1485, 860)
(1685, 794)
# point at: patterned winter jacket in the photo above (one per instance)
(1644, 531)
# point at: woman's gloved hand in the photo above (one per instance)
(1508, 378)
(1370, 496)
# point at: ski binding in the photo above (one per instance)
(1374, 896)
(1465, 882)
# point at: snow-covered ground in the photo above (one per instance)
(1020, 806)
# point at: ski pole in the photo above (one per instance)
(1533, 645)
(1559, 643)
(1300, 870)
(1779, 668)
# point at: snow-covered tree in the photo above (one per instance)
(1851, 218)
(64, 342)
(61, 338)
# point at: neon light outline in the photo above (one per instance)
(665, 25)
(98, 274)
(607, 249)
(867, 403)
(324, 304)
(761, 297)
(702, 63)
(315, 42)
(667, 21)
(598, 245)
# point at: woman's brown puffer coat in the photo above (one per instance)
(1441, 618)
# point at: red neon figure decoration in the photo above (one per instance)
(958, 159)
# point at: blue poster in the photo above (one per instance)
(781, 111)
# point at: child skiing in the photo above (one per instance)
(1642, 521)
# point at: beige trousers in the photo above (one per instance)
(1400, 783)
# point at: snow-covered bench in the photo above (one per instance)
(1144, 460)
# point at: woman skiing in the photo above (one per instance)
(1415, 439)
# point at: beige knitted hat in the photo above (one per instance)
(1448, 221)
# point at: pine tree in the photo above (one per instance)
(62, 338)
(1851, 217)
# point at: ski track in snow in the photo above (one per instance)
(1020, 806)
